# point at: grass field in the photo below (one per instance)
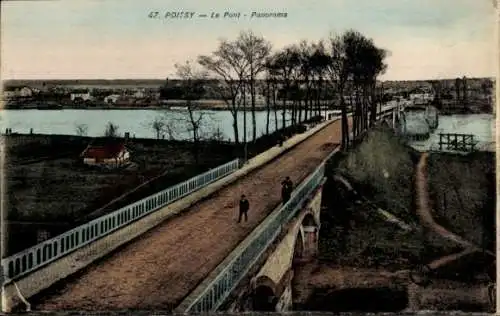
(53, 193)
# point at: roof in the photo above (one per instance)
(106, 151)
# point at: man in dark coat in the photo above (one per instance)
(281, 139)
(244, 206)
(286, 189)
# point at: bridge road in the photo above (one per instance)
(159, 269)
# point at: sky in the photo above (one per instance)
(115, 39)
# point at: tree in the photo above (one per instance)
(458, 86)
(255, 51)
(158, 126)
(485, 87)
(309, 76)
(162, 125)
(81, 129)
(464, 89)
(437, 90)
(193, 87)
(319, 61)
(373, 61)
(111, 130)
(228, 66)
(338, 73)
(281, 67)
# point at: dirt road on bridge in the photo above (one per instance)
(163, 266)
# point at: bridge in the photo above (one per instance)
(181, 249)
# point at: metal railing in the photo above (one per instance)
(52, 249)
(217, 291)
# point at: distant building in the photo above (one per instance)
(111, 99)
(9, 94)
(16, 92)
(107, 155)
(84, 95)
(25, 92)
(139, 94)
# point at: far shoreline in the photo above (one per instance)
(158, 108)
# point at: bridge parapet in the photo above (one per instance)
(222, 281)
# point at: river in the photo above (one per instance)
(136, 122)
(482, 126)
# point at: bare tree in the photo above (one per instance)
(464, 89)
(158, 125)
(193, 87)
(281, 67)
(111, 130)
(163, 125)
(81, 129)
(228, 65)
(338, 75)
(320, 61)
(255, 51)
(458, 86)
(306, 73)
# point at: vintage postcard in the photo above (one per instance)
(234, 156)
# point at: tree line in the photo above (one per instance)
(300, 79)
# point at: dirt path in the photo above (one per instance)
(164, 265)
(423, 207)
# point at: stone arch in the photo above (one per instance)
(306, 242)
(309, 220)
(264, 295)
(298, 251)
(310, 234)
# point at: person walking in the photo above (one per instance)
(244, 206)
(281, 139)
(286, 189)
(289, 184)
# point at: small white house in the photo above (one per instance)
(139, 94)
(85, 96)
(108, 155)
(13, 92)
(111, 99)
(25, 92)
(9, 94)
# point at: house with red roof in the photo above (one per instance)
(108, 155)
